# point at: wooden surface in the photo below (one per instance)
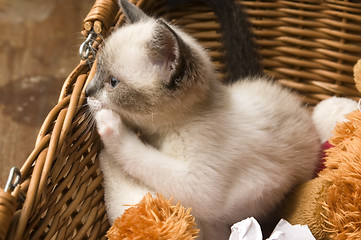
(39, 44)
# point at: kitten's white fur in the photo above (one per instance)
(233, 154)
(328, 112)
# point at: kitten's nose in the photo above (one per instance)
(91, 89)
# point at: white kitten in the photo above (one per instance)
(228, 152)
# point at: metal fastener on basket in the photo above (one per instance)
(86, 48)
(13, 180)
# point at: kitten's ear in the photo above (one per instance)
(131, 12)
(168, 51)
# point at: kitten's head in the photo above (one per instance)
(150, 72)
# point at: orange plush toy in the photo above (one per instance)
(154, 218)
(331, 203)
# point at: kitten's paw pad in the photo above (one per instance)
(105, 131)
(108, 122)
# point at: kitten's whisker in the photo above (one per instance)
(153, 125)
(82, 111)
(91, 125)
(102, 38)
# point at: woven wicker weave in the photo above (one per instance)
(311, 46)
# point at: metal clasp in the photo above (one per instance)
(13, 180)
(86, 48)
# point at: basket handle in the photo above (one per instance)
(101, 17)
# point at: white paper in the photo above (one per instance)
(285, 231)
(249, 229)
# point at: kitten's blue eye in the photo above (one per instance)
(114, 82)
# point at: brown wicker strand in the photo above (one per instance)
(8, 204)
(75, 103)
(50, 119)
(28, 164)
(30, 196)
(91, 72)
(41, 170)
(67, 88)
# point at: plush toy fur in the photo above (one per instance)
(331, 204)
(154, 218)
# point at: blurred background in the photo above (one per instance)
(39, 42)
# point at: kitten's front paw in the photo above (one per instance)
(108, 123)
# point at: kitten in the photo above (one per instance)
(228, 152)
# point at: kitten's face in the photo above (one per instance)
(149, 71)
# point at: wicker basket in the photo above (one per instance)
(310, 46)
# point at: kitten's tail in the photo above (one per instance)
(328, 112)
(242, 55)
